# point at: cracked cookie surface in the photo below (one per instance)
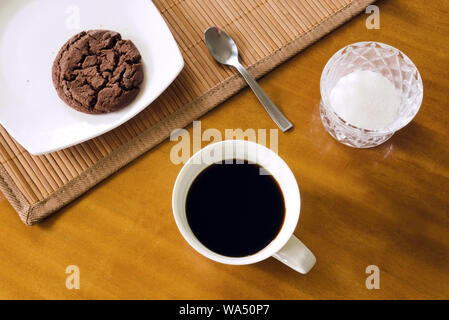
(97, 72)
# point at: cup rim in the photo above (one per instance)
(393, 127)
(285, 232)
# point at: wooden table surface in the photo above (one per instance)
(387, 206)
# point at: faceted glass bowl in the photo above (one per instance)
(380, 58)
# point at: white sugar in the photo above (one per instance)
(366, 99)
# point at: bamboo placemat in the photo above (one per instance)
(267, 32)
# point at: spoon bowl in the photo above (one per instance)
(221, 46)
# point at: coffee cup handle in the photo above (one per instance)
(296, 255)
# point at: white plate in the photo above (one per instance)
(31, 34)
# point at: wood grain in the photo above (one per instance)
(387, 206)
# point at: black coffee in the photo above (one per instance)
(234, 210)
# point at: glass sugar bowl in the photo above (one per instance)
(369, 90)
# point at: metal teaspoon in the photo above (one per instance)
(224, 50)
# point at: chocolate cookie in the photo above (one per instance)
(97, 72)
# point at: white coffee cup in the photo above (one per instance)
(285, 246)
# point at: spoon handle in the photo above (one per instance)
(283, 123)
